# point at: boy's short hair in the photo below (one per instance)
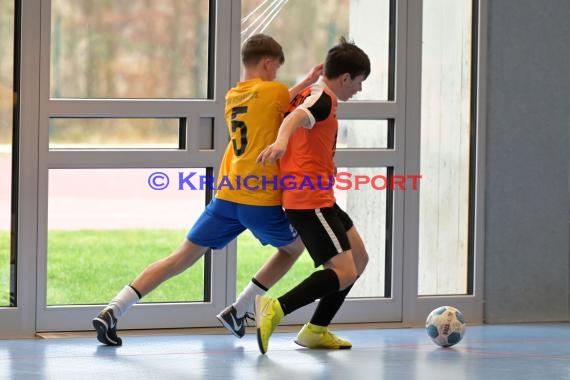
(260, 46)
(346, 57)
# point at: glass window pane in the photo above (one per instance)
(6, 122)
(129, 49)
(367, 207)
(106, 225)
(445, 143)
(364, 134)
(307, 29)
(72, 133)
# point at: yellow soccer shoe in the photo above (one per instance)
(268, 314)
(313, 336)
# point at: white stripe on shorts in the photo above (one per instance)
(329, 230)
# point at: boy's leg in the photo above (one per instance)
(325, 237)
(328, 234)
(271, 272)
(241, 312)
(156, 273)
(359, 252)
(214, 228)
(270, 226)
(329, 305)
(338, 272)
(177, 262)
(316, 333)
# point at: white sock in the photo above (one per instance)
(126, 298)
(244, 302)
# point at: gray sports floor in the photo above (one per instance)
(520, 351)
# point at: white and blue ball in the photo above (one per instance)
(445, 326)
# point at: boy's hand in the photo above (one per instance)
(272, 153)
(313, 74)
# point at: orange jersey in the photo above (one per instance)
(254, 111)
(309, 159)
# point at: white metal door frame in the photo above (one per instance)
(416, 308)
(58, 318)
(36, 160)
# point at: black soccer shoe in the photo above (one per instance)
(106, 325)
(228, 318)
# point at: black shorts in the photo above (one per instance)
(322, 230)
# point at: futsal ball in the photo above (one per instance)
(445, 326)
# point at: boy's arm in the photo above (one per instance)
(296, 119)
(309, 79)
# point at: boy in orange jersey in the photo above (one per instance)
(305, 147)
(254, 111)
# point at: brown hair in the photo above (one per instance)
(260, 46)
(346, 57)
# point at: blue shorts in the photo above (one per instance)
(222, 221)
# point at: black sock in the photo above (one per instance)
(317, 285)
(328, 307)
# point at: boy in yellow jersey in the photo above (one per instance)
(254, 111)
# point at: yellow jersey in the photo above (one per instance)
(254, 111)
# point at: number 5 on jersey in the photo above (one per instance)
(239, 131)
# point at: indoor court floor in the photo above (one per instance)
(514, 351)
